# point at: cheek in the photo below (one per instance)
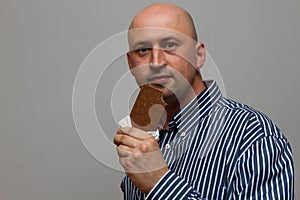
(140, 74)
(182, 67)
(185, 76)
(138, 64)
(139, 61)
(187, 54)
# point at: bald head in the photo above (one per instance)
(165, 15)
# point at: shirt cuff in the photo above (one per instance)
(171, 186)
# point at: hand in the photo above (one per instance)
(140, 156)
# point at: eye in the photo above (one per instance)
(170, 46)
(143, 50)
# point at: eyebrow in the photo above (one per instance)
(170, 38)
(141, 43)
(144, 42)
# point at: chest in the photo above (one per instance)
(203, 160)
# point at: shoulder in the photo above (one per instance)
(255, 117)
(257, 125)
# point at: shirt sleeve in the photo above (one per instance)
(265, 171)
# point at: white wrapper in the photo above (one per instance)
(126, 122)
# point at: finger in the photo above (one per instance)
(127, 140)
(123, 130)
(134, 132)
(123, 151)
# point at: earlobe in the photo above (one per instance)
(200, 55)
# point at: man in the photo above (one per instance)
(209, 147)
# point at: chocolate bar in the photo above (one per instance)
(148, 109)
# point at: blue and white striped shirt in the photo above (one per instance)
(216, 148)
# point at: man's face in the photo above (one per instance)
(163, 57)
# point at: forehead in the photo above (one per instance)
(155, 35)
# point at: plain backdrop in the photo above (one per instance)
(255, 45)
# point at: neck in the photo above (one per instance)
(174, 105)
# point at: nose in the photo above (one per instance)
(157, 58)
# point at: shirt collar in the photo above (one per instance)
(199, 107)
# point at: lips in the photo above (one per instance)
(160, 79)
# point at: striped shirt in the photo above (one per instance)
(216, 148)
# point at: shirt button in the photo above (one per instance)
(168, 146)
(183, 134)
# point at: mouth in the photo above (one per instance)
(160, 79)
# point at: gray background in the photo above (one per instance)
(255, 44)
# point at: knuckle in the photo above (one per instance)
(144, 148)
(122, 138)
(116, 140)
(152, 141)
(136, 155)
(120, 149)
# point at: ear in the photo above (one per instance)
(129, 60)
(200, 55)
(130, 64)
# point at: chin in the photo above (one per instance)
(158, 86)
(168, 95)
